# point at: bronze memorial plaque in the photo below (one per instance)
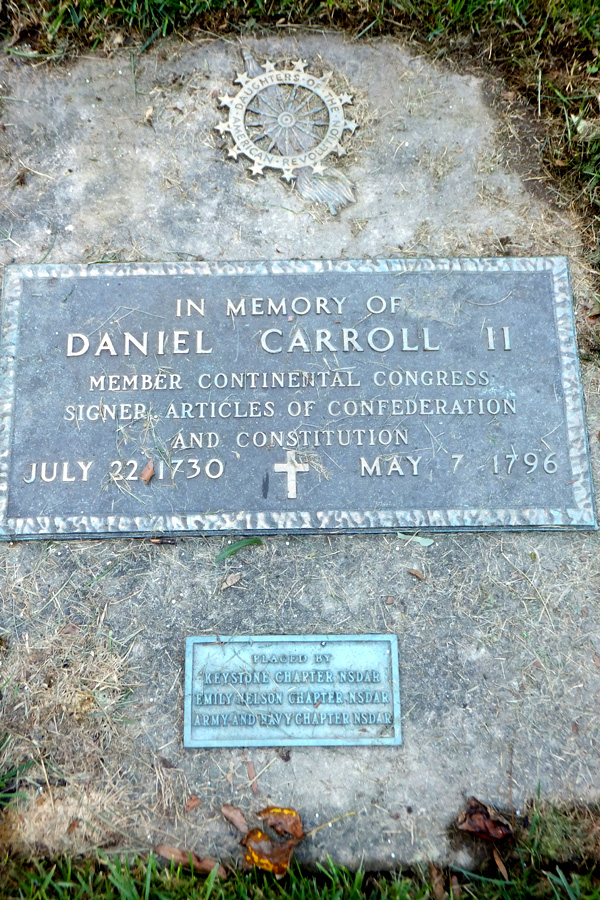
(291, 691)
(351, 395)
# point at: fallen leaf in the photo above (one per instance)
(264, 853)
(231, 579)
(148, 471)
(283, 821)
(508, 95)
(389, 601)
(148, 116)
(73, 825)
(597, 660)
(69, 628)
(234, 815)
(436, 876)
(237, 545)
(483, 821)
(193, 803)
(416, 574)
(500, 864)
(166, 763)
(575, 727)
(455, 888)
(252, 777)
(204, 865)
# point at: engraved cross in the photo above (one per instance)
(291, 467)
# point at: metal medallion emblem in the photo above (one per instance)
(290, 120)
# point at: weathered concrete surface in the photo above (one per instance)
(499, 644)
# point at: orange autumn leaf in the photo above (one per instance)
(148, 471)
(263, 853)
(283, 821)
(416, 574)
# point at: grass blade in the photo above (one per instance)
(237, 545)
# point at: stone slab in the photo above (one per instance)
(497, 641)
(292, 691)
(357, 395)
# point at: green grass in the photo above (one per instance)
(10, 779)
(105, 879)
(544, 24)
(547, 51)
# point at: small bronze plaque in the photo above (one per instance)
(291, 396)
(291, 691)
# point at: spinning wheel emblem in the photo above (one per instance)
(285, 119)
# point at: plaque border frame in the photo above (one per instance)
(386, 741)
(580, 516)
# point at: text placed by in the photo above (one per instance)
(291, 691)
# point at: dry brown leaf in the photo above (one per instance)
(148, 471)
(193, 803)
(204, 865)
(416, 574)
(148, 116)
(73, 825)
(264, 853)
(597, 660)
(500, 864)
(436, 876)
(231, 580)
(252, 774)
(389, 601)
(70, 628)
(483, 821)
(234, 815)
(283, 821)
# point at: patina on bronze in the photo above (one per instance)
(290, 119)
(363, 395)
(291, 691)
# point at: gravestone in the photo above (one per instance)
(497, 631)
(292, 396)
